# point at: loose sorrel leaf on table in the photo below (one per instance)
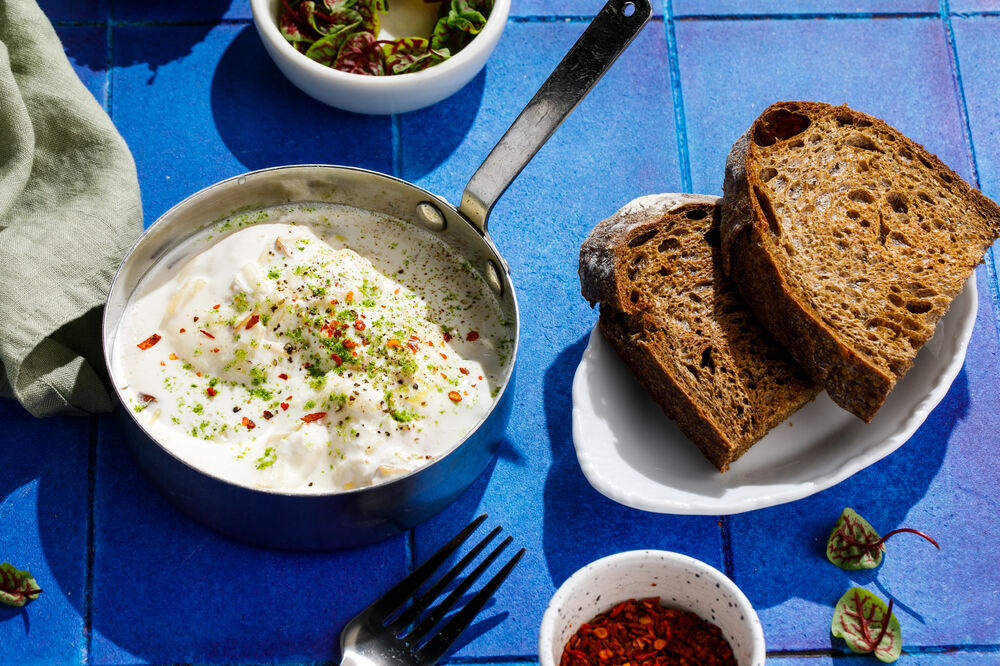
(17, 587)
(854, 543)
(343, 34)
(867, 625)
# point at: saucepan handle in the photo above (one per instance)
(611, 31)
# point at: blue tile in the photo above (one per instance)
(979, 60)
(74, 10)
(959, 6)
(168, 590)
(182, 11)
(86, 48)
(618, 144)
(525, 8)
(927, 484)
(43, 514)
(897, 69)
(798, 7)
(222, 108)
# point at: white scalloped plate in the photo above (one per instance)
(632, 453)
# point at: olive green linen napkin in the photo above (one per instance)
(69, 210)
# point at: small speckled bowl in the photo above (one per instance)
(678, 580)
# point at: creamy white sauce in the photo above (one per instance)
(311, 349)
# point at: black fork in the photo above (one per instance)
(397, 628)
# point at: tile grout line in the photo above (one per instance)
(963, 106)
(563, 18)
(680, 123)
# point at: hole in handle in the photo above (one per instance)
(628, 9)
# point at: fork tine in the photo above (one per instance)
(425, 600)
(439, 611)
(439, 644)
(406, 588)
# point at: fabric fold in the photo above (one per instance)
(69, 210)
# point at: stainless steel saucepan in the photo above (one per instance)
(366, 515)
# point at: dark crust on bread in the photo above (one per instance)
(600, 261)
(854, 382)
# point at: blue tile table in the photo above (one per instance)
(129, 580)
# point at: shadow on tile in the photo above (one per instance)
(581, 525)
(162, 51)
(266, 121)
(883, 493)
(442, 127)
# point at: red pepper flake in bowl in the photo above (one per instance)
(644, 633)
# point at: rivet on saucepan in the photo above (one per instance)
(493, 278)
(242, 180)
(430, 216)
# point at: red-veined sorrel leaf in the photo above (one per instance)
(369, 12)
(326, 49)
(293, 22)
(410, 54)
(867, 625)
(361, 55)
(329, 32)
(17, 587)
(854, 543)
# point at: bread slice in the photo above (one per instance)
(678, 323)
(849, 241)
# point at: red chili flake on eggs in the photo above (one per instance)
(149, 342)
(454, 396)
(252, 322)
(217, 306)
(283, 376)
(183, 330)
(359, 325)
(284, 406)
(472, 336)
(447, 337)
(173, 356)
(315, 416)
(464, 371)
(349, 298)
(146, 398)
(206, 333)
(250, 425)
(211, 392)
(336, 359)
(268, 415)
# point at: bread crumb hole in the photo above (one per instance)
(924, 197)
(861, 196)
(634, 296)
(767, 211)
(663, 272)
(898, 202)
(707, 361)
(779, 125)
(642, 238)
(669, 244)
(853, 214)
(696, 214)
(919, 307)
(859, 140)
(767, 173)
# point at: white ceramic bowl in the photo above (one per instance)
(678, 580)
(382, 94)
